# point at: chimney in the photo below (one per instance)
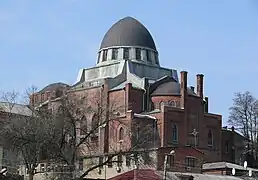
(206, 105)
(192, 88)
(183, 88)
(200, 85)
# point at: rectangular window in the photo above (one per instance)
(104, 55)
(190, 161)
(98, 57)
(171, 160)
(156, 58)
(115, 53)
(226, 146)
(42, 167)
(136, 159)
(138, 53)
(101, 162)
(148, 56)
(126, 53)
(128, 160)
(109, 163)
(146, 158)
(119, 160)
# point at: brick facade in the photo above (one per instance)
(173, 127)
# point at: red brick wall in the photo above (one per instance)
(187, 119)
(179, 159)
(158, 99)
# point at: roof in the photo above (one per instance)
(123, 84)
(128, 32)
(145, 116)
(19, 109)
(177, 175)
(54, 86)
(170, 88)
(222, 165)
(143, 174)
(229, 130)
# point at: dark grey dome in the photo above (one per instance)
(128, 32)
(54, 86)
(170, 88)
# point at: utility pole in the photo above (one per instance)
(136, 167)
(165, 167)
(165, 164)
(195, 133)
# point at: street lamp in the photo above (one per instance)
(165, 163)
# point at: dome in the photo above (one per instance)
(128, 32)
(54, 86)
(170, 88)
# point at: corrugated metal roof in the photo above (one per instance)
(176, 176)
(220, 165)
(19, 109)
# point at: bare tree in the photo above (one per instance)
(243, 116)
(84, 125)
(25, 131)
(76, 127)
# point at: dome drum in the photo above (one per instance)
(139, 54)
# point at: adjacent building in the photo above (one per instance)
(9, 158)
(234, 146)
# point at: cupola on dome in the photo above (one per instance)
(128, 32)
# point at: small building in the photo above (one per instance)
(8, 158)
(225, 168)
(234, 146)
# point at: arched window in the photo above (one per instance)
(94, 122)
(174, 134)
(172, 103)
(226, 146)
(121, 134)
(210, 138)
(161, 104)
(83, 126)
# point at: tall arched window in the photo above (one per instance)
(94, 122)
(210, 138)
(83, 126)
(174, 134)
(226, 146)
(121, 134)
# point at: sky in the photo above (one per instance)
(48, 41)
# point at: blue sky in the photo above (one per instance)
(48, 41)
